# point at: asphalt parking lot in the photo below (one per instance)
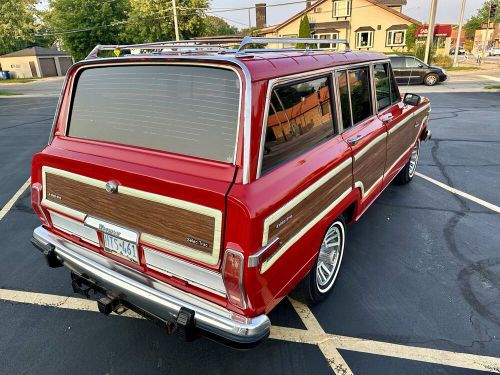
(418, 292)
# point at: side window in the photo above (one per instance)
(386, 89)
(345, 101)
(397, 62)
(299, 118)
(395, 96)
(359, 85)
(412, 63)
(382, 85)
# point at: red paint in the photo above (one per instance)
(209, 183)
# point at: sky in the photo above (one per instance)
(448, 11)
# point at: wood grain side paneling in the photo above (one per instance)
(297, 217)
(175, 224)
(370, 166)
(399, 141)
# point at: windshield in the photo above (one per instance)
(189, 110)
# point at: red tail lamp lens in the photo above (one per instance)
(36, 200)
(232, 272)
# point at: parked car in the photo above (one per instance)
(201, 188)
(494, 51)
(410, 70)
(461, 50)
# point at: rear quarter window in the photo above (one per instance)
(189, 110)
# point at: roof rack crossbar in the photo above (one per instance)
(218, 45)
(249, 40)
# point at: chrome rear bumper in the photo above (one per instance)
(156, 298)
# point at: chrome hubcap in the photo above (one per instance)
(414, 159)
(330, 256)
(431, 80)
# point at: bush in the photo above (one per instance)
(442, 60)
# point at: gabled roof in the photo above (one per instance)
(37, 51)
(384, 4)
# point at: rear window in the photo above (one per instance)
(187, 110)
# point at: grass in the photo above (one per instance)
(492, 87)
(17, 80)
(8, 93)
(461, 68)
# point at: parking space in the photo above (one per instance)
(418, 291)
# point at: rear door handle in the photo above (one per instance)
(354, 140)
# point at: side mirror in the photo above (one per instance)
(412, 99)
(420, 65)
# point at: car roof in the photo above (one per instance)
(262, 65)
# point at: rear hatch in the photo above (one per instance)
(142, 160)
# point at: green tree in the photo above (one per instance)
(304, 30)
(410, 37)
(152, 20)
(81, 24)
(17, 24)
(480, 18)
(217, 26)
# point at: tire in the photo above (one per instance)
(318, 283)
(406, 174)
(431, 79)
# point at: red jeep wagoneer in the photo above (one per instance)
(199, 185)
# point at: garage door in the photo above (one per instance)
(48, 67)
(65, 63)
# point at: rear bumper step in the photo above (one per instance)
(154, 297)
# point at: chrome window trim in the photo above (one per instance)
(212, 61)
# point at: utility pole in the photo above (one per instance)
(457, 42)
(249, 20)
(430, 30)
(176, 26)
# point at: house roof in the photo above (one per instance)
(329, 25)
(37, 51)
(384, 4)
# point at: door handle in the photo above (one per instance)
(386, 118)
(354, 140)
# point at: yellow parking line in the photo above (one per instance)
(13, 200)
(472, 198)
(313, 335)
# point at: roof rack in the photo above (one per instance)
(221, 46)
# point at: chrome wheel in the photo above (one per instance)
(431, 80)
(414, 159)
(330, 257)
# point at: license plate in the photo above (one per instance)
(125, 249)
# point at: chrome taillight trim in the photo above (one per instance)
(37, 189)
(240, 276)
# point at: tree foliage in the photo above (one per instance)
(217, 26)
(410, 37)
(480, 18)
(17, 24)
(304, 30)
(87, 22)
(152, 20)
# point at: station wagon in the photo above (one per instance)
(200, 184)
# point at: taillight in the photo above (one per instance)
(36, 200)
(232, 272)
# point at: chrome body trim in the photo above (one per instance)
(193, 274)
(153, 296)
(260, 256)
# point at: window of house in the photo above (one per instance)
(299, 118)
(327, 36)
(396, 38)
(341, 8)
(364, 39)
(386, 89)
